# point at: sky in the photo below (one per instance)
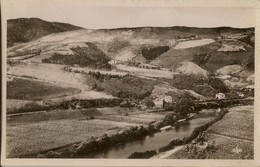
(82, 14)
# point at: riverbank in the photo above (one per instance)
(33, 133)
(233, 138)
(108, 141)
(195, 133)
(121, 124)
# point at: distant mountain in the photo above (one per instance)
(27, 29)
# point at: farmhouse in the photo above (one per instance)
(159, 102)
(241, 95)
(220, 96)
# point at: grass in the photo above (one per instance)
(224, 149)
(127, 119)
(24, 89)
(173, 57)
(36, 137)
(235, 130)
(129, 87)
(221, 59)
(145, 72)
(89, 55)
(193, 43)
(237, 124)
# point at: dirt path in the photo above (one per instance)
(231, 137)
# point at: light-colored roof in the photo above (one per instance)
(250, 86)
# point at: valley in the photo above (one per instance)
(73, 89)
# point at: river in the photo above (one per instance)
(153, 142)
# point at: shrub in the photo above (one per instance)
(149, 102)
(184, 104)
(153, 53)
(142, 155)
(219, 85)
(90, 55)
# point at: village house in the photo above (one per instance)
(220, 96)
(159, 102)
(241, 95)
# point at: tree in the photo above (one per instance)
(149, 103)
(184, 104)
(219, 85)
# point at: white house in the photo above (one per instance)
(241, 95)
(220, 96)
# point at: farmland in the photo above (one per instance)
(146, 72)
(82, 85)
(231, 124)
(194, 43)
(51, 134)
(59, 128)
(25, 89)
(233, 136)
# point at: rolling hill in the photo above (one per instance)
(174, 57)
(28, 29)
(166, 47)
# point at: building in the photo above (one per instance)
(220, 96)
(160, 100)
(241, 95)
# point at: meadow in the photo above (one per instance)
(233, 136)
(25, 89)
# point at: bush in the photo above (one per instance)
(142, 155)
(184, 104)
(219, 85)
(90, 56)
(149, 102)
(129, 87)
(153, 53)
(183, 81)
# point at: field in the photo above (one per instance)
(174, 57)
(31, 138)
(49, 73)
(86, 70)
(129, 87)
(146, 72)
(25, 89)
(193, 43)
(237, 124)
(36, 132)
(233, 135)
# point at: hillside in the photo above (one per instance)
(174, 57)
(88, 55)
(28, 29)
(162, 47)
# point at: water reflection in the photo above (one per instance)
(151, 142)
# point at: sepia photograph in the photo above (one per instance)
(124, 82)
